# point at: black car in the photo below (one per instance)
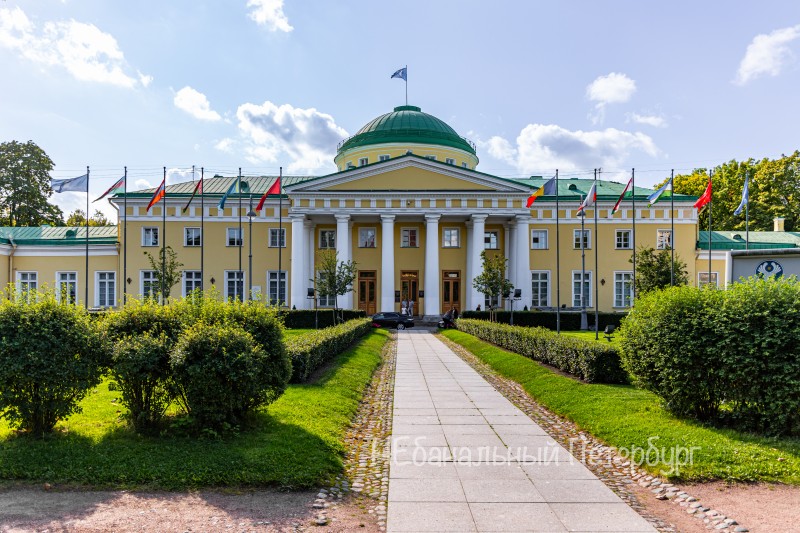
(392, 320)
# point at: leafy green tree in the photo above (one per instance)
(653, 270)
(335, 277)
(78, 218)
(167, 270)
(25, 186)
(492, 280)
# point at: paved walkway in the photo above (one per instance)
(466, 459)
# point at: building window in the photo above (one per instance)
(366, 237)
(431, 157)
(450, 161)
(67, 283)
(276, 287)
(464, 165)
(325, 300)
(191, 237)
(384, 157)
(587, 239)
(327, 239)
(408, 238)
(192, 281)
(623, 289)
(149, 236)
(234, 237)
(576, 288)
(106, 289)
(364, 161)
(450, 238)
(149, 288)
(702, 279)
(540, 282)
(234, 285)
(491, 302)
(623, 239)
(491, 240)
(539, 239)
(349, 165)
(27, 284)
(274, 241)
(664, 239)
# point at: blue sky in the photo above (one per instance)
(268, 83)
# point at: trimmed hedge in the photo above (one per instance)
(570, 320)
(310, 351)
(305, 318)
(592, 362)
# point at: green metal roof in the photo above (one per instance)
(575, 188)
(759, 240)
(407, 124)
(57, 235)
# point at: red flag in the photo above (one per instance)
(275, 188)
(703, 200)
(158, 195)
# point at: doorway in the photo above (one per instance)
(451, 290)
(366, 292)
(409, 283)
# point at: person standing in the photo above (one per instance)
(410, 308)
(404, 306)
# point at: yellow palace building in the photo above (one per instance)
(407, 204)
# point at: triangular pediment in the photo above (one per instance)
(409, 174)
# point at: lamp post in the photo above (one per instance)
(312, 294)
(250, 215)
(584, 321)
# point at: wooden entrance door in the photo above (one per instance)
(409, 280)
(451, 290)
(366, 292)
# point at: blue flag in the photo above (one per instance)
(237, 187)
(656, 196)
(745, 196)
(401, 73)
(79, 184)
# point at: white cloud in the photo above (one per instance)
(307, 136)
(766, 54)
(269, 13)
(144, 79)
(225, 145)
(179, 175)
(196, 104)
(657, 121)
(542, 147)
(85, 51)
(142, 183)
(614, 88)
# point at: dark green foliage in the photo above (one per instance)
(50, 356)
(25, 186)
(140, 367)
(221, 374)
(305, 318)
(591, 361)
(570, 321)
(654, 270)
(139, 317)
(310, 351)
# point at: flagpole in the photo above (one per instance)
(241, 237)
(672, 227)
(406, 80)
(558, 266)
(633, 232)
(202, 230)
(747, 213)
(596, 253)
(710, 205)
(280, 234)
(86, 289)
(125, 241)
(164, 242)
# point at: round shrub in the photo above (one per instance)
(50, 356)
(144, 316)
(140, 366)
(221, 374)
(670, 345)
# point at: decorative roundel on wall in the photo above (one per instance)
(769, 269)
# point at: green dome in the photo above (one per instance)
(407, 124)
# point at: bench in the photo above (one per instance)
(608, 333)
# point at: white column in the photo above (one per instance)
(343, 254)
(387, 263)
(298, 291)
(478, 231)
(432, 274)
(507, 250)
(309, 258)
(467, 282)
(523, 273)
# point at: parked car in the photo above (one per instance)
(392, 320)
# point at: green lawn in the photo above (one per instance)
(589, 336)
(296, 442)
(626, 417)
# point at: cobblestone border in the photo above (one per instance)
(614, 470)
(365, 480)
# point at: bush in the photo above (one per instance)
(591, 361)
(50, 356)
(570, 320)
(144, 316)
(309, 352)
(323, 318)
(221, 374)
(141, 370)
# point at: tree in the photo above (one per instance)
(653, 270)
(167, 270)
(25, 186)
(492, 280)
(335, 277)
(78, 218)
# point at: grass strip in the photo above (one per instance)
(296, 442)
(626, 417)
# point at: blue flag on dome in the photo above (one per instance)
(401, 73)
